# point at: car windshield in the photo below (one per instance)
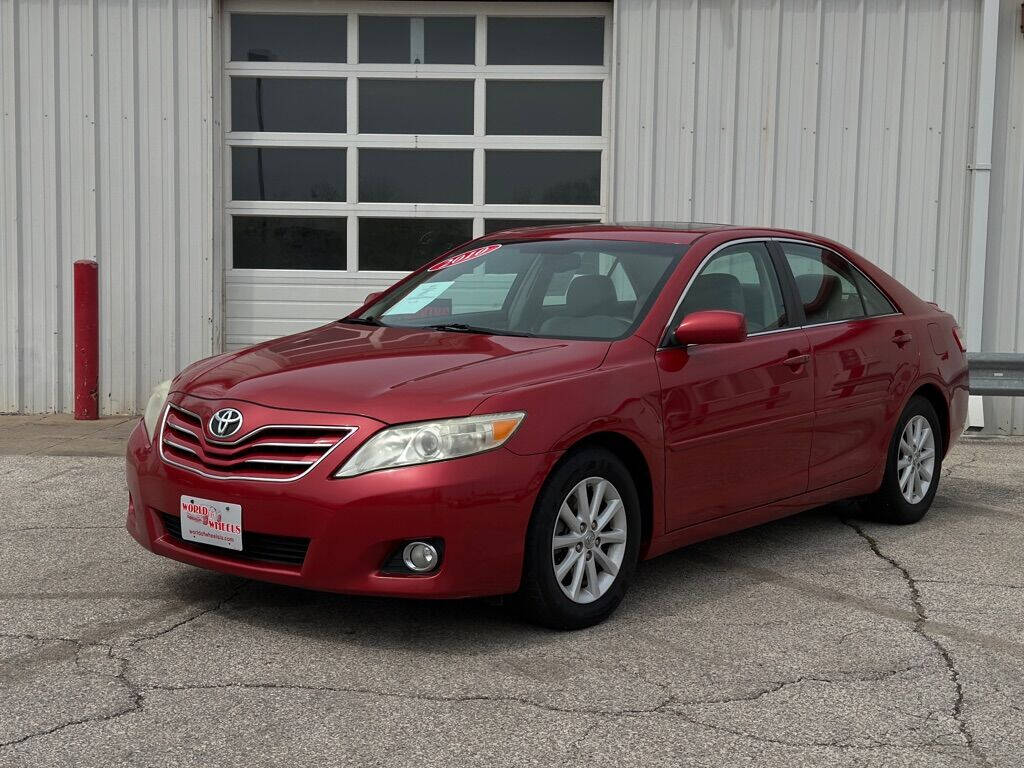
(581, 289)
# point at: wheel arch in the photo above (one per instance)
(636, 462)
(933, 394)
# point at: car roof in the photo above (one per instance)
(647, 231)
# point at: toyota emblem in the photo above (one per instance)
(225, 422)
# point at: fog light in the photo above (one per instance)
(419, 556)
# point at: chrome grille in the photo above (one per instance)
(273, 452)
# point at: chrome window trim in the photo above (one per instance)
(193, 470)
(774, 330)
(810, 243)
(852, 320)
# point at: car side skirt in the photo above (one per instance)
(710, 529)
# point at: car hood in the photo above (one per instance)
(393, 375)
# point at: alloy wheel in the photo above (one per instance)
(915, 464)
(589, 540)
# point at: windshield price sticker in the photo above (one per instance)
(419, 297)
(459, 258)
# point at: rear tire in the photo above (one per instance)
(913, 466)
(580, 556)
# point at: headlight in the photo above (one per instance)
(155, 407)
(431, 441)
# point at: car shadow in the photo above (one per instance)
(672, 584)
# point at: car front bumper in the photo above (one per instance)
(479, 505)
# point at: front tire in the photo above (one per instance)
(913, 466)
(582, 542)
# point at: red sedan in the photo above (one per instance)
(543, 408)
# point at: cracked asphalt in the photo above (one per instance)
(820, 640)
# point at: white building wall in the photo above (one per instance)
(106, 152)
(1004, 279)
(850, 118)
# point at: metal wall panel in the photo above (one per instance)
(848, 117)
(1004, 279)
(851, 118)
(105, 152)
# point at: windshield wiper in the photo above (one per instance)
(360, 320)
(463, 328)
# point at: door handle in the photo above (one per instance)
(795, 361)
(900, 339)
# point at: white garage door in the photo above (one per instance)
(363, 140)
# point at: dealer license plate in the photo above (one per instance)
(205, 521)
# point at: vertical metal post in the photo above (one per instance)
(981, 173)
(86, 339)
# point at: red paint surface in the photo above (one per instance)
(732, 435)
(87, 339)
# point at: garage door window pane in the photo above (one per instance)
(545, 178)
(281, 37)
(273, 173)
(416, 175)
(288, 104)
(288, 242)
(525, 41)
(416, 106)
(416, 40)
(543, 108)
(495, 225)
(406, 244)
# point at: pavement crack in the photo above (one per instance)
(576, 747)
(920, 627)
(414, 696)
(193, 617)
(661, 709)
(40, 638)
(135, 704)
(951, 466)
(969, 583)
(133, 707)
(774, 687)
(26, 528)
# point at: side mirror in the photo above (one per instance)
(372, 297)
(712, 326)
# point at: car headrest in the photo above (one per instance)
(715, 291)
(590, 295)
(817, 292)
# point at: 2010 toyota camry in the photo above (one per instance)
(537, 411)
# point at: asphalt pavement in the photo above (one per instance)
(820, 640)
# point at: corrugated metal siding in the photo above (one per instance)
(851, 118)
(263, 304)
(848, 117)
(106, 150)
(1004, 280)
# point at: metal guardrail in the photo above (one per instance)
(996, 373)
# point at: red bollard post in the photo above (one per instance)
(87, 339)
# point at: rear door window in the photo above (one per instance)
(830, 288)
